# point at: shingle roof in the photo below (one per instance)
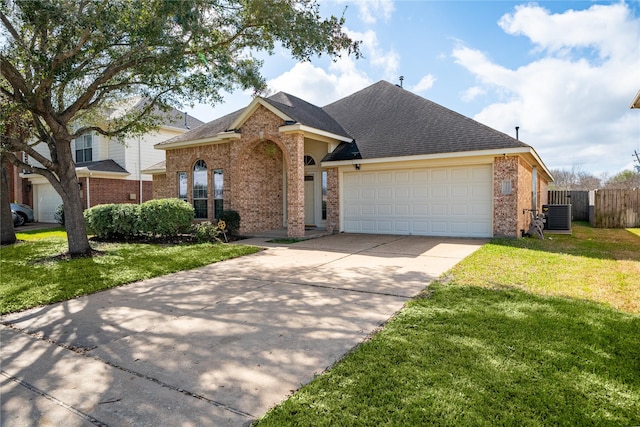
(305, 113)
(108, 165)
(388, 121)
(206, 130)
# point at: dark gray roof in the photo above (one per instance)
(388, 121)
(305, 113)
(173, 117)
(108, 165)
(207, 130)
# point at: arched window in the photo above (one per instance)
(309, 161)
(200, 189)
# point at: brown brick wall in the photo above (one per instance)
(254, 173)
(505, 218)
(512, 212)
(333, 201)
(103, 191)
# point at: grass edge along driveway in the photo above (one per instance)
(29, 278)
(529, 346)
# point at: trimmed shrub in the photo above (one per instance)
(232, 219)
(206, 232)
(166, 217)
(113, 220)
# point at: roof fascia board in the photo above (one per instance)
(35, 178)
(220, 138)
(154, 171)
(252, 107)
(320, 135)
(494, 152)
(85, 172)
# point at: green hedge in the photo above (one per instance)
(114, 220)
(166, 217)
(232, 219)
(162, 218)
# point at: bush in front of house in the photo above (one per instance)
(113, 220)
(166, 217)
(206, 232)
(232, 220)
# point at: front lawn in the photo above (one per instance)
(523, 332)
(29, 277)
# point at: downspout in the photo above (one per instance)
(534, 189)
(140, 169)
(88, 193)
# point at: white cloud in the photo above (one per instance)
(387, 61)
(572, 104)
(315, 85)
(371, 10)
(472, 93)
(424, 84)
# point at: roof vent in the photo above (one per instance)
(290, 122)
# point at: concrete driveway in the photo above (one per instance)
(216, 346)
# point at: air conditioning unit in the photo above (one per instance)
(558, 217)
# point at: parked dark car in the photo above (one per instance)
(24, 212)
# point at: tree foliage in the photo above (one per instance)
(574, 179)
(69, 64)
(626, 179)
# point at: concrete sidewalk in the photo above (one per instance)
(216, 346)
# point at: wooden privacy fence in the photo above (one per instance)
(616, 208)
(579, 201)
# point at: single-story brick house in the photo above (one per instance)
(382, 160)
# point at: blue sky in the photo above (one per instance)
(565, 72)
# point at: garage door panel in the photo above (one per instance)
(453, 201)
(47, 201)
(402, 209)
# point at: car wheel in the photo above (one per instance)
(21, 219)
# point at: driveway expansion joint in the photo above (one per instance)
(36, 390)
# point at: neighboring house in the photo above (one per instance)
(109, 171)
(382, 160)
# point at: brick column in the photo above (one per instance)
(295, 187)
(333, 201)
(505, 206)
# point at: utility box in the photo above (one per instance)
(558, 217)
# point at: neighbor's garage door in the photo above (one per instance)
(47, 201)
(448, 201)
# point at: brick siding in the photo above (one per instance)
(103, 191)
(254, 174)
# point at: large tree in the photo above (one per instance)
(68, 63)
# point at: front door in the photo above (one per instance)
(309, 200)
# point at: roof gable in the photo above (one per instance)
(388, 121)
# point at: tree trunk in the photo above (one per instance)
(74, 219)
(7, 231)
(73, 208)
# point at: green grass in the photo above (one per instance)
(513, 336)
(285, 240)
(31, 278)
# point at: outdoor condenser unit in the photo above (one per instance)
(558, 217)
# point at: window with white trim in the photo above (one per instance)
(200, 189)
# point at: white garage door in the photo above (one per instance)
(448, 201)
(47, 201)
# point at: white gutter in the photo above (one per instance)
(297, 127)
(459, 154)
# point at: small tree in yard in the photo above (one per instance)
(68, 63)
